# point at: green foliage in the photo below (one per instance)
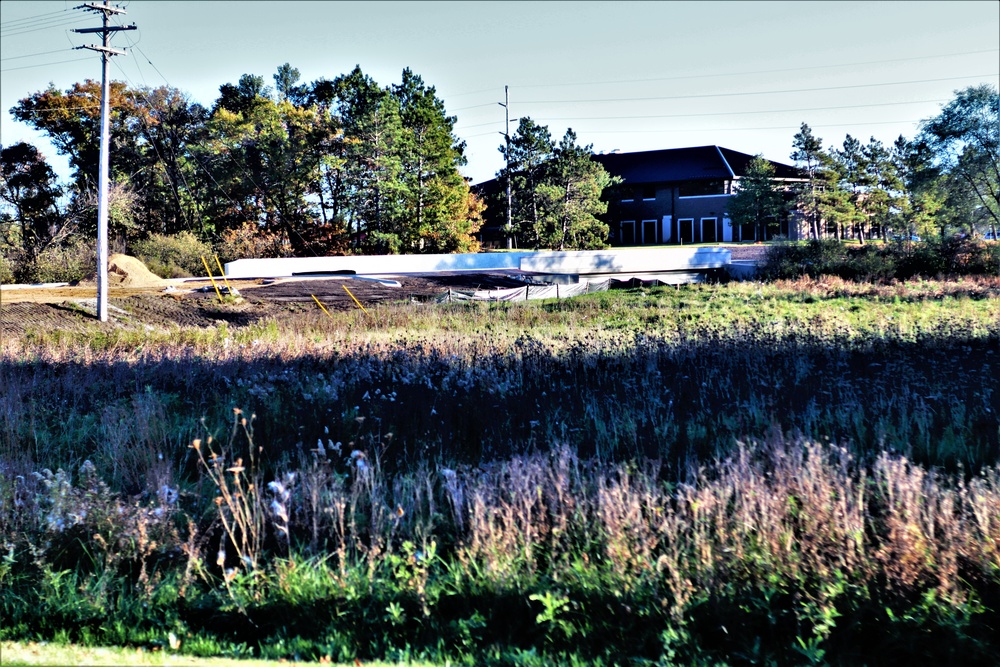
(569, 199)
(757, 200)
(176, 256)
(68, 262)
(965, 140)
(900, 260)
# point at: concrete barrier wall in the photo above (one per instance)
(373, 264)
(626, 260)
(578, 262)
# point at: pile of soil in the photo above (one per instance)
(127, 271)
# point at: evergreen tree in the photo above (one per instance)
(855, 178)
(373, 169)
(809, 156)
(436, 196)
(530, 150)
(757, 201)
(569, 199)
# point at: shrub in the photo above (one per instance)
(881, 263)
(249, 241)
(6, 271)
(176, 256)
(75, 260)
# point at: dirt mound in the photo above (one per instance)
(127, 271)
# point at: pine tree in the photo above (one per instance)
(808, 154)
(757, 201)
(569, 199)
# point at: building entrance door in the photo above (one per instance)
(708, 231)
(648, 232)
(628, 232)
(686, 230)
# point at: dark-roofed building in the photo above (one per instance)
(681, 195)
(675, 195)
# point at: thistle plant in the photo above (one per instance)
(239, 501)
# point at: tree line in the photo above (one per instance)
(331, 166)
(349, 166)
(944, 181)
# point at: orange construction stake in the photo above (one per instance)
(356, 301)
(212, 278)
(321, 306)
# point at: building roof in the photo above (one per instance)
(684, 164)
(673, 165)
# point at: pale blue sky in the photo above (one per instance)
(628, 76)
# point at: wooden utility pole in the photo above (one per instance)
(506, 134)
(102, 195)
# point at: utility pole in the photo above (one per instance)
(102, 195)
(506, 134)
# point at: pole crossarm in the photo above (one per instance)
(110, 28)
(101, 8)
(103, 49)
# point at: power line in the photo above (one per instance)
(723, 74)
(743, 129)
(760, 92)
(194, 155)
(36, 17)
(13, 32)
(762, 71)
(713, 113)
(32, 55)
(63, 109)
(722, 129)
(58, 62)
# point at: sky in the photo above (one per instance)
(626, 76)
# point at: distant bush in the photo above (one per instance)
(6, 271)
(71, 261)
(249, 241)
(174, 256)
(881, 262)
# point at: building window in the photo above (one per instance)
(649, 193)
(702, 188)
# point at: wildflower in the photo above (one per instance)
(320, 449)
(335, 446)
(230, 574)
(279, 510)
(238, 468)
(168, 496)
(358, 458)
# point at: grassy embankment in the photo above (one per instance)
(793, 472)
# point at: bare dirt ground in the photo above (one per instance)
(181, 303)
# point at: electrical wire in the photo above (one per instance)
(58, 62)
(760, 92)
(549, 119)
(29, 19)
(57, 24)
(32, 55)
(762, 71)
(724, 74)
